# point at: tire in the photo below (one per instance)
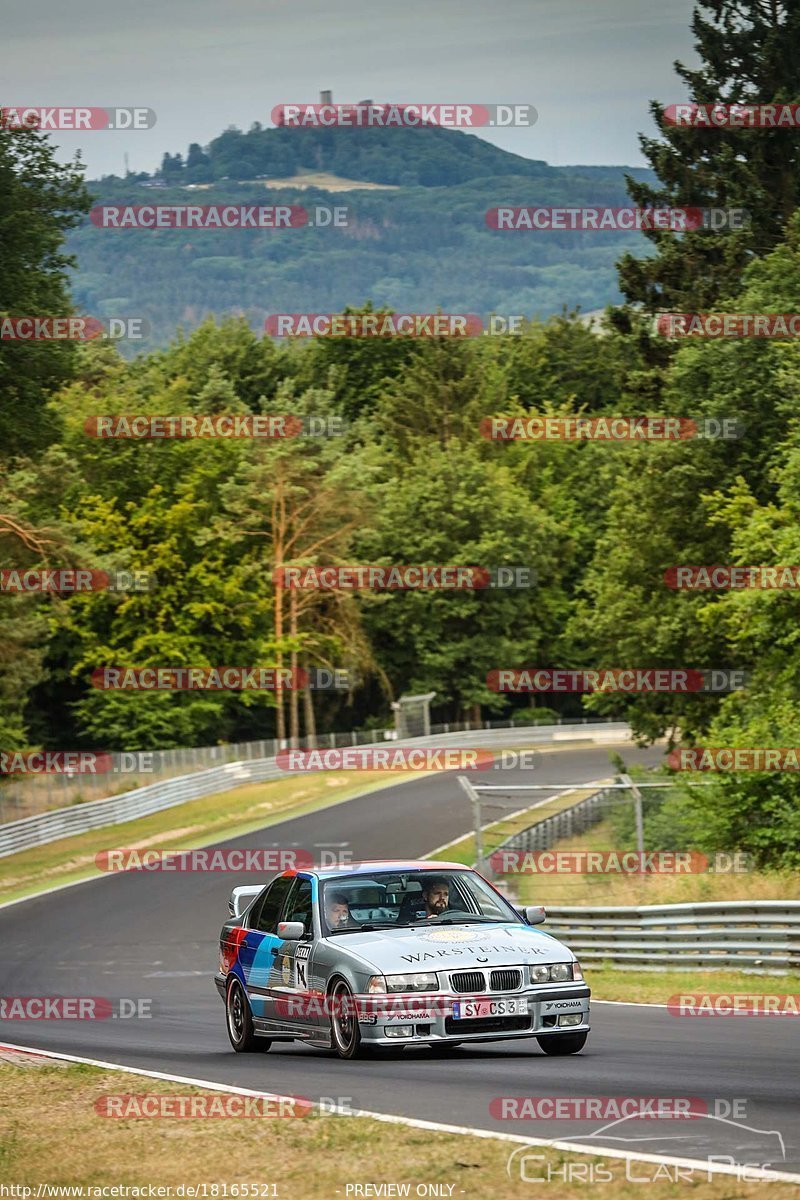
(239, 1021)
(345, 1034)
(563, 1043)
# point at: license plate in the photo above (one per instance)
(466, 1009)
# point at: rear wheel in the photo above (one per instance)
(563, 1043)
(239, 1020)
(345, 1034)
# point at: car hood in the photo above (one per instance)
(450, 947)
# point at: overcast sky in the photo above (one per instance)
(590, 67)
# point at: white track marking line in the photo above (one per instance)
(434, 1126)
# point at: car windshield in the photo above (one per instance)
(396, 899)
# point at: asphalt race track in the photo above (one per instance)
(155, 935)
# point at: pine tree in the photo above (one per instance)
(750, 52)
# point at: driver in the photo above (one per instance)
(435, 895)
(337, 910)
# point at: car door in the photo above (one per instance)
(260, 944)
(288, 1000)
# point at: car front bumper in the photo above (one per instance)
(420, 1024)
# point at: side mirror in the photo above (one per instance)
(534, 914)
(291, 931)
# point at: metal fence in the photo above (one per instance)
(28, 795)
(762, 936)
(154, 797)
(570, 822)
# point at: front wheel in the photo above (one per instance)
(563, 1043)
(239, 1020)
(345, 1034)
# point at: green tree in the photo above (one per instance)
(750, 52)
(40, 199)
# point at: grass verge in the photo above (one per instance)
(656, 987)
(50, 1133)
(617, 888)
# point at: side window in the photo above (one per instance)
(267, 920)
(298, 905)
(255, 911)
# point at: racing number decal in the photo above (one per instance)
(301, 957)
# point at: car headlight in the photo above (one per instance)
(556, 973)
(419, 982)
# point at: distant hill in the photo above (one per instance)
(420, 246)
(424, 157)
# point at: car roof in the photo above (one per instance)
(370, 868)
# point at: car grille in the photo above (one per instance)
(487, 1025)
(468, 981)
(505, 981)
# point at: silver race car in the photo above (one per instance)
(393, 954)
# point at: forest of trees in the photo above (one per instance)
(410, 479)
(414, 249)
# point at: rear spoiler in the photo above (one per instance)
(242, 897)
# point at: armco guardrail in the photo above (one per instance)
(25, 796)
(757, 935)
(154, 797)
